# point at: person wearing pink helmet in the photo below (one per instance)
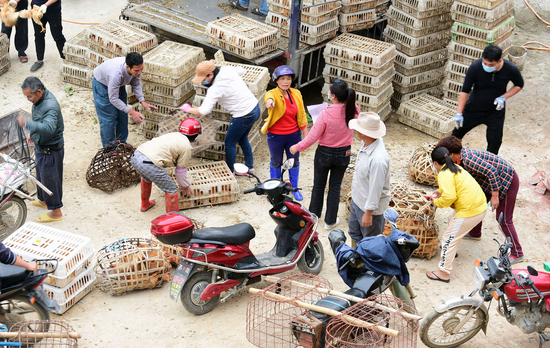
(152, 158)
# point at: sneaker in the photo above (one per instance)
(330, 227)
(36, 66)
(470, 237)
(514, 259)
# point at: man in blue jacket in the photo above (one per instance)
(46, 131)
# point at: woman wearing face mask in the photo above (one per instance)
(460, 191)
(286, 121)
(333, 153)
(226, 86)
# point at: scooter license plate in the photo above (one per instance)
(180, 277)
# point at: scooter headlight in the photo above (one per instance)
(481, 277)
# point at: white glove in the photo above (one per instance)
(43, 8)
(12, 3)
(459, 121)
(500, 102)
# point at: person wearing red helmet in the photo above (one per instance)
(152, 158)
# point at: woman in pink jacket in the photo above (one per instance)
(334, 150)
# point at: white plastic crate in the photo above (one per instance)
(166, 95)
(414, 65)
(308, 8)
(310, 34)
(423, 8)
(418, 27)
(397, 98)
(385, 112)
(94, 59)
(243, 36)
(335, 72)
(456, 71)
(36, 241)
(75, 49)
(117, 38)
(413, 46)
(361, 50)
(465, 54)
(306, 18)
(217, 151)
(486, 4)
(356, 6)
(219, 113)
(428, 114)
(482, 18)
(407, 84)
(357, 20)
(363, 99)
(142, 26)
(359, 87)
(451, 102)
(73, 292)
(5, 63)
(76, 74)
(452, 86)
(4, 44)
(255, 77)
(171, 63)
(480, 38)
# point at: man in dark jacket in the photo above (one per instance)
(46, 130)
(7, 257)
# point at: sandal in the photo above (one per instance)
(436, 277)
(23, 59)
(237, 5)
(256, 11)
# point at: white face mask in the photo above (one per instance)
(329, 94)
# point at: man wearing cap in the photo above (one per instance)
(226, 87)
(370, 190)
(109, 89)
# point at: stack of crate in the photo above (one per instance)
(5, 62)
(420, 30)
(357, 15)
(319, 22)
(479, 23)
(166, 80)
(243, 36)
(367, 66)
(428, 114)
(98, 43)
(257, 79)
(74, 276)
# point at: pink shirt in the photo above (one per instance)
(330, 129)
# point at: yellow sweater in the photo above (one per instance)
(463, 191)
(280, 106)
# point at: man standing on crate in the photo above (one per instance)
(109, 88)
(170, 150)
(488, 77)
(226, 87)
(370, 188)
(46, 131)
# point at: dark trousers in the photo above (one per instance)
(279, 144)
(53, 18)
(493, 119)
(506, 207)
(355, 224)
(21, 31)
(49, 171)
(334, 161)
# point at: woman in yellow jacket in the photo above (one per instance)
(285, 123)
(460, 191)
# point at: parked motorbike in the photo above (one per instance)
(523, 298)
(22, 296)
(218, 259)
(360, 269)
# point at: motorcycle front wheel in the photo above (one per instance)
(313, 258)
(12, 215)
(191, 293)
(436, 328)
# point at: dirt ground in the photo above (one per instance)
(150, 318)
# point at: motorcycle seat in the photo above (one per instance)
(12, 275)
(236, 234)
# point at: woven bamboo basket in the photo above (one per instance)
(425, 231)
(421, 168)
(131, 264)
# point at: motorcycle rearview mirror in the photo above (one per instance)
(242, 169)
(288, 164)
(391, 216)
(532, 271)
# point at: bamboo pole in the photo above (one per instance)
(404, 314)
(328, 311)
(38, 335)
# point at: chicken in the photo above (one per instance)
(10, 17)
(35, 14)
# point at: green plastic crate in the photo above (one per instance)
(478, 37)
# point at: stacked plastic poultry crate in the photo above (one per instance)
(74, 276)
(5, 62)
(428, 114)
(367, 66)
(256, 78)
(420, 31)
(166, 80)
(243, 36)
(98, 43)
(479, 23)
(319, 23)
(357, 14)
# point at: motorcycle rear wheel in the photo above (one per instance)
(436, 327)
(313, 258)
(192, 290)
(12, 215)
(18, 308)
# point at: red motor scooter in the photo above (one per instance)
(218, 259)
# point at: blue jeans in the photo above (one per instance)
(264, 8)
(279, 144)
(237, 132)
(113, 123)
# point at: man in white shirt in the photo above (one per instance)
(226, 87)
(370, 190)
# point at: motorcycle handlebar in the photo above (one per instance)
(249, 190)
